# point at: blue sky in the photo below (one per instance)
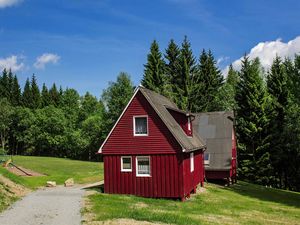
(85, 44)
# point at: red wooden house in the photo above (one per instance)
(152, 150)
(220, 158)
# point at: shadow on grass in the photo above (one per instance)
(267, 194)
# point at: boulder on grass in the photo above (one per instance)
(69, 182)
(51, 184)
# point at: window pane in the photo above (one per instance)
(143, 166)
(126, 163)
(206, 156)
(141, 125)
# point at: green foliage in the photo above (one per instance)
(54, 96)
(206, 84)
(35, 93)
(154, 73)
(172, 69)
(5, 121)
(252, 122)
(116, 97)
(45, 96)
(225, 97)
(181, 86)
(27, 95)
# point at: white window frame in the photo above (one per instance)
(136, 166)
(192, 161)
(189, 124)
(126, 170)
(141, 116)
(206, 162)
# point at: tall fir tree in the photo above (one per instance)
(206, 84)
(35, 93)
(54, 96)
(154, 73)
(225, 97)
(45, 97)
(15, 92)
(10, 85)
(232, 76)
(187, 68)
(293, 71)
(252, 121)
(4, 85)
(278, 90)
(172, 68)
(27, 95)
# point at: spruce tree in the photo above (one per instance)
(278, 90)
(54, 96)
(172, 68)
(293, 71)
(45, 97)
(35, 93)
(225, 97)
(154, 73)
(10, 85)
(253, 155)
(232, 76)
(187, 68)
(27, 95)
(4, 85)
(206, 84)
(16, 92)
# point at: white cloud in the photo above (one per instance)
(44, 59)
(8, 3)
(267, 51)
(222, 59)
(12, 63)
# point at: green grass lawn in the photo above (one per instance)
(55, 169)
(242, 203)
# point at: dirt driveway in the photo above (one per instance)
(49, 206)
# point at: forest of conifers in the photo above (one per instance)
(51, 121)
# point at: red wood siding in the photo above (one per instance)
(182, 120)
(192, 179)
(165, 180)
(159, 139)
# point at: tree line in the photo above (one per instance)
(266, 106)
(59, 122)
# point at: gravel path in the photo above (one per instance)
(49, 206)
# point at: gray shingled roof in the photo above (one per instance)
(160, 105)
(216, 130)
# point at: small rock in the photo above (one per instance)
(51, 184)
(69, 182)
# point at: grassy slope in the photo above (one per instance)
(56, 169)
(240, 204)
(5, 197)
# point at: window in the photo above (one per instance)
(192, 161)
(206, 159)
(126, 165)
(143, 166)
(140, 126)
